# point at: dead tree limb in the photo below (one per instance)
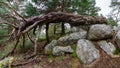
(7, 5)
(30, 38)
(24, 63)
(72, 19)
(5, 22)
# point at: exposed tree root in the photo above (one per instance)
(23, 63)
(34, 55)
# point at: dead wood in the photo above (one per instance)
(72, 19)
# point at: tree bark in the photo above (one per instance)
(72, 19)
(47, 35)
(23, 41)
(54, 28)
(63, 29)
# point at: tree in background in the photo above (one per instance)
(111, 22)
(37, 7)
(115, 13)
(7, 16)
(30, 10)
(83, 7)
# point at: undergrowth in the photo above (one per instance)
(6, 49)
(116, 52)
(74, 55)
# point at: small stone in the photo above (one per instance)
(59, 50)
(50, 46)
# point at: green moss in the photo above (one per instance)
(50, 58)
(41, 40)
(80, 61)
(62, 57)
(74, 55)
(48, 52)
(116, 52)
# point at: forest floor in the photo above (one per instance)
(66, 61)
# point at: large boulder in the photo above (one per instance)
(49, 47)
(60, 50)
(86, 51)
(109, 48)
(117, 38)
(72, 38)
(99, 32)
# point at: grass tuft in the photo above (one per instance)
(74, 55)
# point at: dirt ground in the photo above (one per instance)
(67, 61)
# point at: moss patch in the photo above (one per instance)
(116, 52)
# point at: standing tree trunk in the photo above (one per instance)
(35, 45)
(63, 29)
(23, 41)
(54, 28)
(47, 36)
(62, 25)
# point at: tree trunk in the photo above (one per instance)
(62, 25)
(72, 19)
(54, 29)
(63, 29)
(47, 36)
(23, 41)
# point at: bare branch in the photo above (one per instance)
(30, 27)
(13, 11)
(30, 38)
(5, 22)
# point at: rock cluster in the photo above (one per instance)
(83, 39)
(60, 50)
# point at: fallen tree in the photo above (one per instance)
(53, 17)
(72, 19)
(21, 30)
